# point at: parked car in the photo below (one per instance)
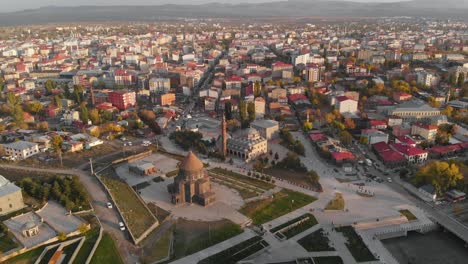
(121, 226)
(389, 179)
(109, 205)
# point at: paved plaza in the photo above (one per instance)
(59, 218)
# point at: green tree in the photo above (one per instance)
(345, 138)
(251, 111)
(461, 80)
(57, 101)
(94, 116)
(308, 126)
(84, 114)
(442, 175)
(257, 89)
(50, 86)
(17, 114)
(12, 99)
(34, 107)
(452, 79)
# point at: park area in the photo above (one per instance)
(106, 252)
(283, 202)
(137, 216)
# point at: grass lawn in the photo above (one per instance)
(85, 250)
(193, 236)
(282, 203)
(26, 258)
(138, 218)
(160, 249)
(328, 260)
(106, 252)
(356, 246)
(243, 178)
(336, 203)
(7, 242)
(407, 213)
(316, 241)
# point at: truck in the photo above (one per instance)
(369, 162)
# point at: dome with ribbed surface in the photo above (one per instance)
(191, 163)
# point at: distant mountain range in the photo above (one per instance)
(292, 8)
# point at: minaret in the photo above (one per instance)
(224, 136)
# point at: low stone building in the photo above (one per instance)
(142, 168)
(11, 197)
(192, 184)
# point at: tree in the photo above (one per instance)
(58, 101)
(228, 110)
(34, 108)
(62, 236)
(12, 99)
(442, 175)
(313, 177)
(84, 114)
(257, 89)
(452, 79)
(50, 86)
(308, 126)
(43, 126)
(461, 80)
(78, 93)
(17, 114)
(94, 116)
(448, 111)
(243, 114)
(345, 138)
(56, 143)
(251, 111)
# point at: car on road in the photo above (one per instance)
(389, 179)
(129, 143)
(109, 205)
(121, 226)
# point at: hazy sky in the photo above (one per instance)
(15, 5)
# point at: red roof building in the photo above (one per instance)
(388, 156)
(122, 99)
(341, 157)
(412, 154)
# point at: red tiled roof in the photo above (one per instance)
(295, 97)
(377, 123)
(381, 147)
(391, 156)
(407, 150)
(338, 156)
(426, 126)
(444, 149)
(342, 98)
(317, 137)
(406, 140)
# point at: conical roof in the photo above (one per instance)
(191, 163)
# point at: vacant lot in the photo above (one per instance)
(193, 236)
(283, 202)
(138, 218)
